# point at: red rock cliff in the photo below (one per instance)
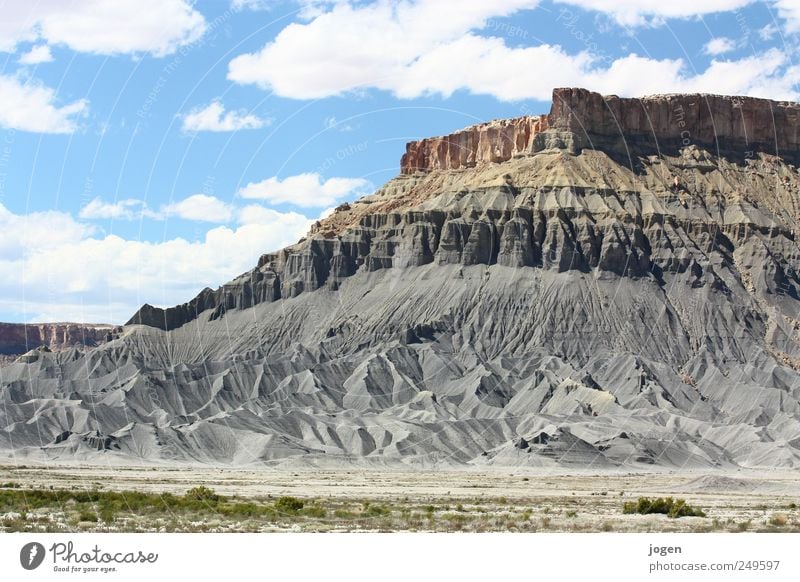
(495, 141)
(734, 126)
(18, 338)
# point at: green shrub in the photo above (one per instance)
(668, 506)
(107, 513)
(375, 511)
(202, 493)
(289, 505)
(87, 515)
(247, 509)
(315, 511)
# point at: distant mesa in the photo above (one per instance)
(19, 338)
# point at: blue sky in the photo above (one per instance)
(149, 148)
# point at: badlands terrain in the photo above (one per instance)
(611, 287)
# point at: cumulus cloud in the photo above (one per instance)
(200, 207)
(257, 214)
(250, 4)
(37, 55)
(128, 209)
(213, 117)
(64, 270)
(352, 46)
(412, 49)
(719, 46)
(308, 190)
(642, 12)
(768, 32)
(158, 27)
(402, 48)
(31, 106)
(789, 10)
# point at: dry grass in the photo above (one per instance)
(205, 500)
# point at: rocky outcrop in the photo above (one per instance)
(19, 338)
(495, 141)
(739, 127)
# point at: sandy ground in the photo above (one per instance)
(525, 500)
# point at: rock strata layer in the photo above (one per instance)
(739, 127)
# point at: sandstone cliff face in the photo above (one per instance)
(18, 338)
(495, 141)
(739, 127)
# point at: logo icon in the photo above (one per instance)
(31, 555)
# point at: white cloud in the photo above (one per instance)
(789, 10)
(45, 231)
(250, 4)
(158, 27)
(641, 12)
(65, 272)
(213, 117)
(719, 46)
(199, 207)
(768, 32)
(257, 214)
(32, 106)
(307, 190)
(412, 49)
(351, 47)
(128, 209)
(37, 55)
(333, 123)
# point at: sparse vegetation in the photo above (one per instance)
(87, 515)
(668, 506)
(289, 505)
(203, 508)
(202, 493)
(374, 510)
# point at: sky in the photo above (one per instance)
(151, 148)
